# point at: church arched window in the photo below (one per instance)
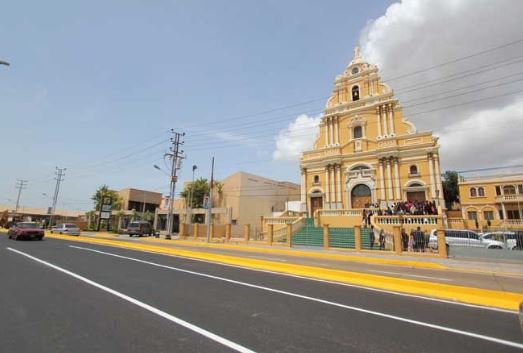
(355, 93)
(481, 191)
(413, 170)
(473, 192)
(357, 132)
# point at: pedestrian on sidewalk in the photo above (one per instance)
(372, 236)
(404, 239)
(411, 242)
(382, 240)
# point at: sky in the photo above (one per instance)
(96, 86)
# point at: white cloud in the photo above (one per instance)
(485, 138)
(296, 138)
(416, 34)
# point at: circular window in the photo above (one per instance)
(355, 70)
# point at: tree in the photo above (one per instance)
(200, 189)
(104, 191)
(450, 188)
(120, 214)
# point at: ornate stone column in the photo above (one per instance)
(382, 180)
(327, 192)
(326, 127)
(333, 185)
(439, 185)
(391, 119)
(303, 185)
(331, 131)
(389, 181)
(340, 186)
(378, 118)
(397, 177)
(337, 120)
(384, 118)
(432, 179)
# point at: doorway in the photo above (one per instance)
(361, 196)
(316, 204)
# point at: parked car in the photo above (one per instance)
(25, 230)
(465, 238)
(509, 239)
(140, 228)
(66, 228)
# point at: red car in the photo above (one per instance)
(25, 230)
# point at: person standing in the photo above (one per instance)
(404, 239)
(372, 237)
(382, 240)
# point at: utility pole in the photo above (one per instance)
(60, 173)
(191, 193)
(209, 204)
(20, 185)
(176, 159)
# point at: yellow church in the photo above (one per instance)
(367, 152)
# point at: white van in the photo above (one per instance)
(465, 238)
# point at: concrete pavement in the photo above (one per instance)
(257, 311)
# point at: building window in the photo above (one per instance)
(498, 190)
(413, 170)
(355, 93)
(512, 214)
(316, 179)
(358, 132)
(473, 192)
(488, 215)
(520, 189)
(509, 190)
(472, 215)
(481, 191)
(501, 216)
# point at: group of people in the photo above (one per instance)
(416, 241)
(400, 208)
(408, 208)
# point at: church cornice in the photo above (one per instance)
(361, 105)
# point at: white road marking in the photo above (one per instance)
(410, 275)
(143, 305)
(353, 308)
(506, 311)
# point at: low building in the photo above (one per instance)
(42, 215)
(249, 197)
(492, 201)
(140, 200)
(243, 198)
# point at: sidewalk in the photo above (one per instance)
(486, 289)
(375, 257)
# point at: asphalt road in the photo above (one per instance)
(59, 296)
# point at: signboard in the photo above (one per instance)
(105, 211)
(105, 215)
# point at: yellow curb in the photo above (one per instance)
(299, 253)
(476, 296)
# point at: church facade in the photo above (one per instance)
(367, 152)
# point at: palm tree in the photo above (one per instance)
(120, 215)
(134, 214)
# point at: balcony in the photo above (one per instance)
(510, 198)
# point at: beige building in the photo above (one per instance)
(497, 200)
(249, 197)
(140, 200)
(367, 152)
